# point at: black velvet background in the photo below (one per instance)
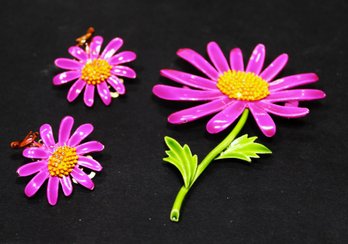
(296, 195)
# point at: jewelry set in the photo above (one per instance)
(227, 90)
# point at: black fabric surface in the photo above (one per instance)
(296, 195)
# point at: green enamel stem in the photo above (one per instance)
(222, 146)
(175, 212)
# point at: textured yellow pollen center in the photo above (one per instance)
(96, 71)
(243, 85)
(62, 161)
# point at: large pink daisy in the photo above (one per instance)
(91, 69)
(230, 88)
(59, 161)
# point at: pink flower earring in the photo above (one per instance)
(92, 69)
(61, 162)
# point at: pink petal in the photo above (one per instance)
(284, 111)
(292, 81)
(64, 130)
(35, 183)
(80, 134)
(184, 94)
(82, 178)
(123, 71)
(112, 48)
(35, 152)
(104, 93)
(292, 104)
(236, 59)
(87, 147)
(69, 64)
(116, 84)
(275, 67)
(89, 163)
(217, 57)
(65, 182)
(298, 95)
(226, 117)
(189, 79)
(52, 190)
(263, 120)
(193, 113)
(256, 60)
(78, 53)
(46, 135)
(66, 77)
(199, 62)
(123, 57)
(95, 46)
(75, 90)
(31, 168)
(89, 95)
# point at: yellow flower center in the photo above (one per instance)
(62, 161)
(243, 85)
(96, 71)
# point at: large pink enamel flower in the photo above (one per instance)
(60, 161)
(230, 89)
(93, 70)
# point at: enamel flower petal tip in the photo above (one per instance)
(61, 162)
(93, 70)
(230, 87)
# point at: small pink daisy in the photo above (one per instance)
(59, 161)
(230, 89)
(91, 69)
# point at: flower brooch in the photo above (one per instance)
(61, 162)
(92, 69)
(230, 91)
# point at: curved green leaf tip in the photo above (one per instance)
(244, 148)
(182, 158)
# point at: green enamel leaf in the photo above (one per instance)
(244, 148)
(182, 159)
